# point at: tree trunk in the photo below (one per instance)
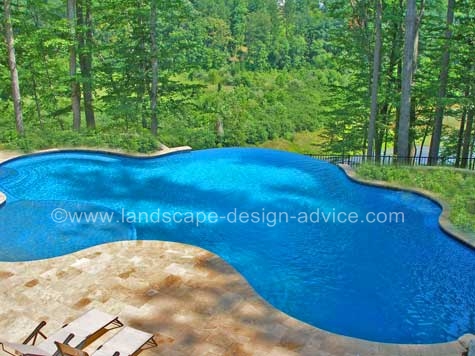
(88, 99)
(406, 82)
(467, 138)
(84, 22)
(398, 109)
(375, 80)
(378, 140)
(424, 138)
(142, 83)
(393, 81)
(75, 88)
(412, 133)
(154, 63)
(460, 137)
(397, 49)
(382, 132)
(471, 164)
(13, 68)
(443, 78)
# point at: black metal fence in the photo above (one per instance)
(354, 160)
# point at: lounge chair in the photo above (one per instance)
(22, 349)
(79, 333)
(127, 342)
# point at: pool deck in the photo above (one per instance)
(193, 301)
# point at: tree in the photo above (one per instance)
(238, 29)
(467, 139)
(13, 67)
(406, 80)
(279, 67)
(75, 88)
(443, 79)
(154, 63)
(375, 80)
(84, 37)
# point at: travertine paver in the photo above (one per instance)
(194, 302)
(4, 155)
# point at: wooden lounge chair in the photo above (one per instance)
(80, 333)
(127, 342)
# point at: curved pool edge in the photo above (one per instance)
(177, 291)
(8, 156)
(445, 224)
(165, 151)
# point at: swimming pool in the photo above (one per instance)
(394, 282)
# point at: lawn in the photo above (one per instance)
(301, 142)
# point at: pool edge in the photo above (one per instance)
(466, 238)
(165, 151)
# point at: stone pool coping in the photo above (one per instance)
(192, 300)
(466, 238)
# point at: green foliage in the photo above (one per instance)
(37, 139)
(456, 187)
(247, 64)
(259, 107)
(264, 69)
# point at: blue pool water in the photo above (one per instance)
(395, 282)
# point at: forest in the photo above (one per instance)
(368, 77)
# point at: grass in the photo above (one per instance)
(455, 186)
(301, 142)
